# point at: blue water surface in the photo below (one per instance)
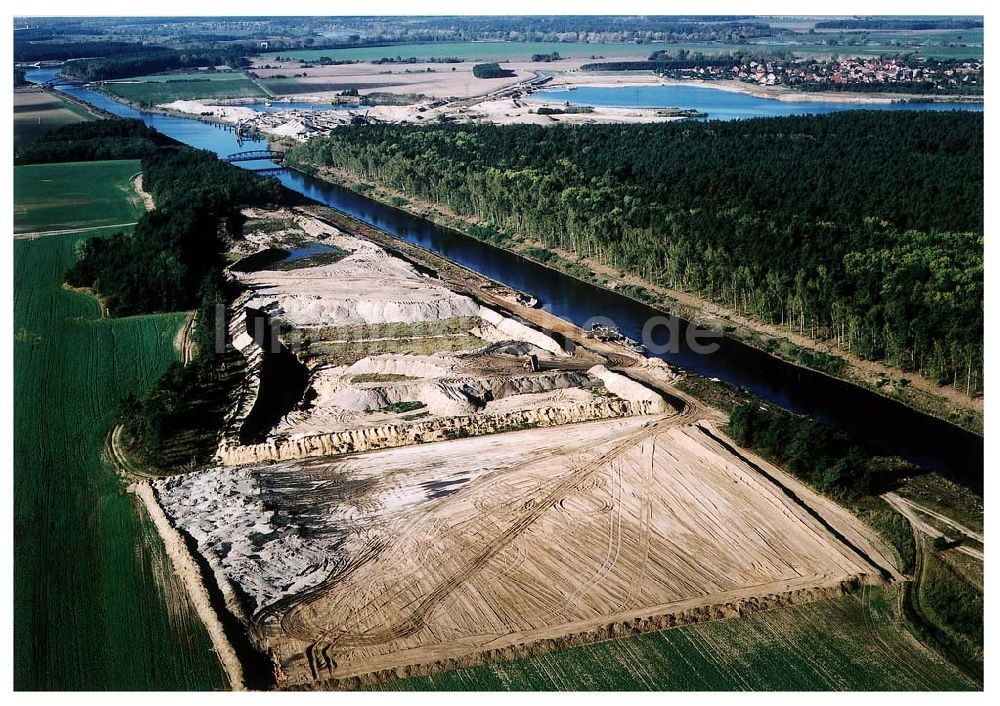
(718, 103)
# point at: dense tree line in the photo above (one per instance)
(590, 28)
(491, 70)
(158, 267)
(173, 261)
(929, 88)
(27, 35)
(176, 424)
(659, 64)
(87, 141)
(825, 458)
(197, 179)
(61, 51)
(152, 61)
(707, 28)
(166, 261)
(894, 23)
(862, 228)
(569, 109)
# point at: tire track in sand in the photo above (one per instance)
(416, 620)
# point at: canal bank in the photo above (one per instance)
(945, 403)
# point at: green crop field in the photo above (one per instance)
(36, 112)
(945, 52)
(955, 36)
(522, 51)
(497, 51)
(186, 76)
(96, 605)
(850, 643)
(156, 91)
(70, 195)
(818, 49)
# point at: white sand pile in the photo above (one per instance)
(318, 229)
(292, 128)
(223, 510)
(442, 397)
(566, 397)
(419, 366)
(504, 329)
(228, 113)
(439, 382)
(515, 385)
(442, 390)
(340, 403)
(629, 389)
(659, 369)
(368, 286)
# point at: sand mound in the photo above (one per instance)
(229, 113)
(368, 286)
(224, 511)
(423, 366)
(467, 362)
(442, 398)
(442, 390)
(629, 389)
(501, 328)
(499, 388)
(290, 129)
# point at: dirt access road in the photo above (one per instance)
(912, 512)
(458, 553)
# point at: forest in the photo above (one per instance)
(922, 88)
(825, 458)
(677, 28)
(30, 51)
(153, 60)
(94, 140)
(164, 263)
(864, 229)
(660, 61)
(173, 261)
(492, 70)
(898, 23)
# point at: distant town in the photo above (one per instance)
(883, 74)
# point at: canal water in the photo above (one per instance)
(888, 426)
(720, 104)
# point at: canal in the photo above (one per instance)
(887, 425)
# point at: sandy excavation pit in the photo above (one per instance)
(435, 555)
(395, 356)
(560, 502)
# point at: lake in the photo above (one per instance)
(718, 103)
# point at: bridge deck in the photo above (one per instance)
(253, 155)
